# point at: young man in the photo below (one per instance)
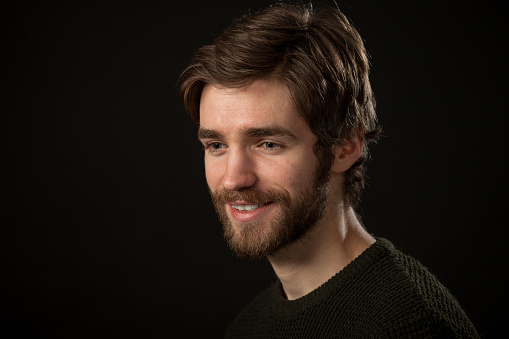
(286, 114)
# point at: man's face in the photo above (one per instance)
(260, 167)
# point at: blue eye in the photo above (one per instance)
(215, 148)
(272, 146)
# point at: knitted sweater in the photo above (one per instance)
(383, 293)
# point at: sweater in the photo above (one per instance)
(383, 293)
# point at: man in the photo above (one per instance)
(286, 114)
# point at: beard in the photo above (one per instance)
(295, 218)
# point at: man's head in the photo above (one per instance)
(317, 55)
(275, 96)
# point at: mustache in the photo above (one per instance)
(248, 195)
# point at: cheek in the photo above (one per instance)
(303, 171)
(288, 174)
(212, 175)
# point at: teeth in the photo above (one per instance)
(247, 208)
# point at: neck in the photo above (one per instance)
(331, 245)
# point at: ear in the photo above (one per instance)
(347, 154)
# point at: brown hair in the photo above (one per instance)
(321, 59)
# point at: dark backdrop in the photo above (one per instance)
(107, 225)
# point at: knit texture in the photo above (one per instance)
(383, 293)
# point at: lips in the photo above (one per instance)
(248, 211)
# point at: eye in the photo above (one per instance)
(271, 146)
(216, 145)
(214, 148)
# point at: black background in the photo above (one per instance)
(108, 229)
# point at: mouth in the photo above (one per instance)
(247, 207)
(248, 211)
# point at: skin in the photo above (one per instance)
(279, 156)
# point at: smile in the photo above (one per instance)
(247, 208)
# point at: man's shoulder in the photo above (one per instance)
(392, 272)
(400, 278)
(404, 294)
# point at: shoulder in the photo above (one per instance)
(411, 297)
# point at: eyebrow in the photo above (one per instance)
(209, 134)
(267, 131)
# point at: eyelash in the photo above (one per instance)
(208, 146)
(276, 146)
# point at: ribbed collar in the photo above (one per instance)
(282, 306)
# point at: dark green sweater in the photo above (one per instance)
(381, 294)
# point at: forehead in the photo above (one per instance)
(260, 104)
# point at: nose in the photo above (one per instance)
(239, 172)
